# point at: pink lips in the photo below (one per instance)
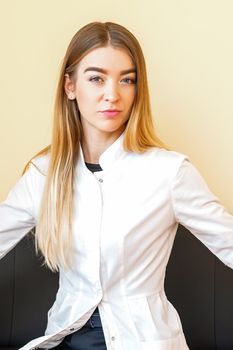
(110, 112)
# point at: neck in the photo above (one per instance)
(94, 145)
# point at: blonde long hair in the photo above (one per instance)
(54, 229)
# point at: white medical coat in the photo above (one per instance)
(124, 223)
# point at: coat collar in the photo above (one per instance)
(110, 155)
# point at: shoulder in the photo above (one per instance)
(164, 160)
(167, 156)
(40, 164)
(156, 165)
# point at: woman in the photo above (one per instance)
(106, 198)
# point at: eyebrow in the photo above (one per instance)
(104, 71)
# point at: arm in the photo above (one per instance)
(17, 215)
(199, 211)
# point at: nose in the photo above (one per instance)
(111, 93)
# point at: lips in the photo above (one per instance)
(110, 112)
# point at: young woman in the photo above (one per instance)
(106, 198)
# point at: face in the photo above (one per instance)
(104, 88)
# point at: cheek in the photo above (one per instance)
(81, 95)
(131, 99)
(83, 100)
(85, 95)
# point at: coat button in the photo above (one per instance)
(101, 180)
(113, 338)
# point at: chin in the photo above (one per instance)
(114, 130)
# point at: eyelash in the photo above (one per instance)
(98, 80)
(130, 80)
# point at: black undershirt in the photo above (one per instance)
(93, 167)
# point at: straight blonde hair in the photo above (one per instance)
(54, 229)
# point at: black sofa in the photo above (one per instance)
(197, 283)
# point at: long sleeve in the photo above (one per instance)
(17, 216)
(200, 211)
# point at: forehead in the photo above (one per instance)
(107, 58)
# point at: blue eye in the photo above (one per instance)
(96, 79)
(129, 80)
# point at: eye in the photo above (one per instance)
(128, 80)
(96, 79)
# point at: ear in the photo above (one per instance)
(69, 87)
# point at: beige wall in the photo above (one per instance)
(189, 51)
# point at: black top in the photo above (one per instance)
(93, 167)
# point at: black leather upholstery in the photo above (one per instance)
(200, 287)
(27, 291)
(197, 283)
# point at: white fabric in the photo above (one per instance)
(125, 220)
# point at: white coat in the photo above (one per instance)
(124, 224)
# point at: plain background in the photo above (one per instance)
(188, 46)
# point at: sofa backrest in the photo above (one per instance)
(200, 287)
(27, 291)
(197, 283)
